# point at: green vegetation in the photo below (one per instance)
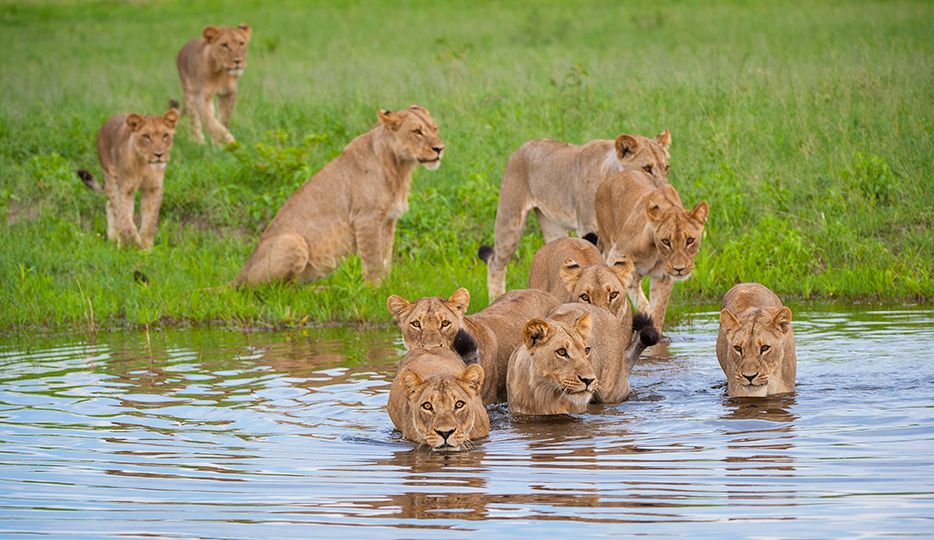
(807, 126)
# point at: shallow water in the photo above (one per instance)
(218, 434)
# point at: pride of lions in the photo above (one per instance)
(570, 339)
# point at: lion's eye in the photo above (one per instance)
(224, 45)
(242, 43)
(147, 137)
(585, 297)
(562, 352)
(613, 295)
(764, 348)
(459, 405)
(648, 169)
(416, 324)
(738, 349)
(666, 242)
(165, 136)
(667, 167)
(690, 240)
(417, 131)
(426, 406)
(445, 324)
(586, 350)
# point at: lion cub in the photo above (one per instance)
(550, 372)
(210, 66)
(133, 151)
(350, 205)
(434, 322)
(756, 344)
(649, 224)
(435, 400)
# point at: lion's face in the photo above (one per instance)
(599, 284)
(561, 357)
(430, 322)
(414, 135)
(677, 232)
(445, 410)
(755, 348)
(152, 137)
(227, 46)
(638, 153)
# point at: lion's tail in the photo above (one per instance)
(466, 346)
(88, 179)
(643, 324)
(485, 253)
(174, 104)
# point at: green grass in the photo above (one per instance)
(807, 126)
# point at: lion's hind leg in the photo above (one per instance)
(278, 258)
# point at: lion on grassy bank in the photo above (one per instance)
(350, 205)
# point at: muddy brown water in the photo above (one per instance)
(219, 434)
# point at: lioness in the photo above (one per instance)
(649, 223)
(210, 66)
(133, 151)
(435, 400)
(559, 181)
(352, 204)
(433, 322)
(551, 373)
(756, 344)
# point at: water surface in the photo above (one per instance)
(219, 434)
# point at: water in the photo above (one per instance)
(217, 434)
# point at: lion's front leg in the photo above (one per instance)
(368, 236)
(217, 130)
(121, 205)
(225, 105)
(150, 202)
(194, 112)
(389, 237)
(660, 292)
(637, 294)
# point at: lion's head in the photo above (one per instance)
(638, 153)
(414, 135)
(430, 322)
(560, 358)
(755, 348)
(152, 136)
(227, 46)
(599, 284)
(677, 231)
(445, 410)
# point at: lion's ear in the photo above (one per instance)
(728, 321)
(247, 31)
(583, 325)
(534, 331)
(626, 145)
(171, 118)
(782, 319)
(210, 32)
(570, 272)
(700, 212)
(460, 300)
(664, 138)
(135, 122)
(390, 119)
(411, 381)
(397, 306)
(623, 268)
(473, 377)
(653, 211)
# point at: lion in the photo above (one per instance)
(756, 344)
(649, 224)
(559, 181)
(550, 372)
(133, 151)
(434, 322)
(210, 66)
(351, 205)
(435, 400)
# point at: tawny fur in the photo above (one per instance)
(350, 205)
(753, 318)
(559, 181)
(454, 415)
(133, 151)
(551, 371)
(210, 66)
(636, 218)
(434, 322)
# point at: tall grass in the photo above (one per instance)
(807, 126)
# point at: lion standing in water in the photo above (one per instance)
(351, 205)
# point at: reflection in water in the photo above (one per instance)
(218, 434)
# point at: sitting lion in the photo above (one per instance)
(550, 372)
(559, 181)
(350, 205)
(756, 344)
(133, 151)
(434, 322)
(649, 224)
(210, 66)
(435, 400)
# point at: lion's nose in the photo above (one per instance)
(585, 380)
(678, 269)
(444, 434)
(159, 154)
(438, 149)
(751, 377)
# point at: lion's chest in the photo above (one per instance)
(396, 207)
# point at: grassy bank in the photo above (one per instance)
(808, 128)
